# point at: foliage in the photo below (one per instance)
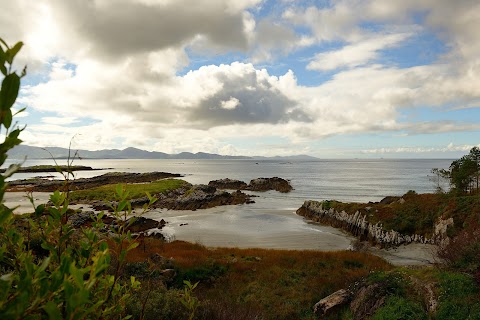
(68, 278)
(134, 190)
(260, 283)
(459, 297)
(188, 299)
(400, 308)
(159, 303)
(464, 173)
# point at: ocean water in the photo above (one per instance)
(271, 221)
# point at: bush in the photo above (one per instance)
(157, 304)
(459, 297)
(399, 308)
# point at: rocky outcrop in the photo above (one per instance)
(203, 197)
(358, 225)
(228, 184)
(331, 303)
(45, 185)
(187, 197)
(265, 184)
(259, 184)
(367, 300)
(133, 224)
(141, 224)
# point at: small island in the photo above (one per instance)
(52, 168)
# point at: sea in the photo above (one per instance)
(271, 221)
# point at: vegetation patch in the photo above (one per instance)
(267, 284)
(134, 191)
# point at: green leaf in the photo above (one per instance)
(9, 92)
(3, 69)
(12, 52)
(7, 118)
(52, 310)
(5, 214)
(19, 111)
(43, 266)
(77, 274)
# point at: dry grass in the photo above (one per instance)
(279, 284)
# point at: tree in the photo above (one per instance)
(465, 173)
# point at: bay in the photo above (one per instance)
(271, 221)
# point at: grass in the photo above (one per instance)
(278, 284)
(135, 190)
(417, 214)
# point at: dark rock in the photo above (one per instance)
(332, 302)
(228, 184)
(265, 184)
(389, 200)
(80, 219)
(203, 197)
(140, 224)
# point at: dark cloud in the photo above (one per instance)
(118, 28)
(254, 100)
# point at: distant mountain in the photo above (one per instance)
(22, 151)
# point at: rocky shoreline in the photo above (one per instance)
(357, 224)
(259, 184)
(45, 185)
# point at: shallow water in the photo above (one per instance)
(271, 221)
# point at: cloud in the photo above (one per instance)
(449, 148)
(355, 55)
(123, 66)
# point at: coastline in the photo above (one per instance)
(253, 226)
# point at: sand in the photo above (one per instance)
(253, 226)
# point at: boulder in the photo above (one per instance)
(228, 184)
(367, 300)
(265, 184)
(335, 300)
(141, 224)
(203, 197)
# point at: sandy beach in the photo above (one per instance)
(253, 226)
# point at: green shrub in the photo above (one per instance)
(161, 304)
(62, 272)
(459, 298)
(399, 308)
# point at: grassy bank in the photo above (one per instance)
(134, 190)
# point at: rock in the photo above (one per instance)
(367, 300)
(228, 184)
(203, 197)
(141, 224)
(80, 219)
(389, 199)
(337, 299)
(358, 225)
(168, 274)
(265, 184)
(441, 226)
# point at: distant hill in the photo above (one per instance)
(22, 151)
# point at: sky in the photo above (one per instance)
(331, 79)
